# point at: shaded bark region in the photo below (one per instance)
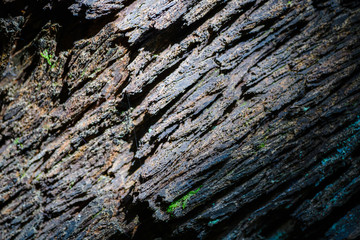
(180, 120)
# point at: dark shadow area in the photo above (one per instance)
(65, 26)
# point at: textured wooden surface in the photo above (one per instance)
(179, 119)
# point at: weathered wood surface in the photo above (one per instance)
(179, 119)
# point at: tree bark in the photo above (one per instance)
(147, 119)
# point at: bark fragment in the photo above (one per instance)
(179, 119)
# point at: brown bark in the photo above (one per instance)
(179, 119)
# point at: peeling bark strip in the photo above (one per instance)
(165, 119)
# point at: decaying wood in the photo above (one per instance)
(169, 119)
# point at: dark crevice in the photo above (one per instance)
(66, 67)
(12, 197)
(74, 29)
(275, 220)
(137, 98)
(79, 85)
(356, 152)
(80, 205)
(231, 107)
(87, 139)
(68, 30)
(12, 8)
(148, 228)
(30, 69)
(163, 138)
(64, 93)
(207, 106)
(211, 127)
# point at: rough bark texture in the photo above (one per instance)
(179, 119)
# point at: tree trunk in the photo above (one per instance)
(148, 119)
